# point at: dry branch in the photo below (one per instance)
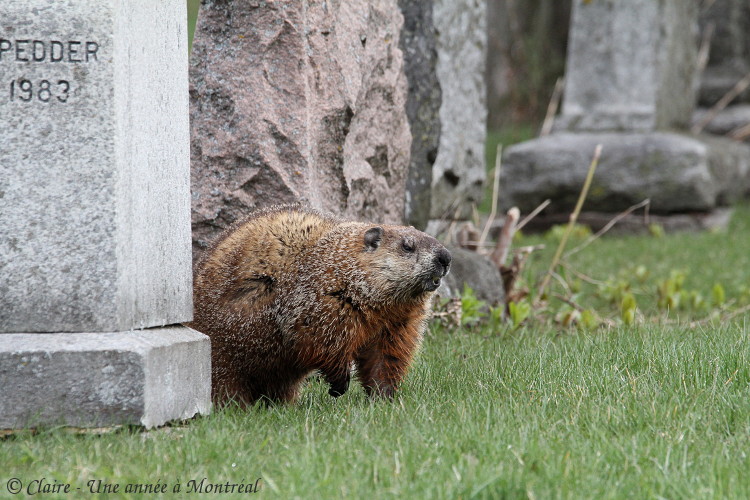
(495, 189)
(709, 115)
(533, 214)
(705, 48)
(740, 133)
(468, 236)
(554, 103)
(500, 253)
(608, 226)
(571, 224)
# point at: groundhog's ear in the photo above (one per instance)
(373, 237)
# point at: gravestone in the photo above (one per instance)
(729, 54)
(418, 44)
(94, 216)
(460, 170)
(728, 64)
(629, 86)
(297, 101)
(337, 105)
(630, 66)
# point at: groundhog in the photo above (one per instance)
(290, 290)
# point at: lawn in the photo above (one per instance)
(653, 410)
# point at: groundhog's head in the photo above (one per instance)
(405, 262)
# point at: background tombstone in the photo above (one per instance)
(629, 85)
(460, 168)
(728, 22)
(419, 47)
(729, 54)
(94, 216)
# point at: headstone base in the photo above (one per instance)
(143, 377)
(678, 173)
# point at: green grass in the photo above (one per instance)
(705, 259)
(651, 411)
(192, 12)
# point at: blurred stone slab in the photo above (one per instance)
(297, 101)
(477, 272)
(729, 162)
(94, 190)
(677, 172)
(143, 377)
(460, 169)
(630, 65)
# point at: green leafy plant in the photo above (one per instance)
(718, 296)
(472, 308)
(669, 291)
(519, 311)
(627, 309)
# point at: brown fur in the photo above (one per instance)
(291, 290)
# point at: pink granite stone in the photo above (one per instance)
(297, 101)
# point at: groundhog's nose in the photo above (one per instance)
(443, 256)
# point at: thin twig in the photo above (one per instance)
(608, 226)
(500, 253)
(709, 115)
(495, 188)
(725, 318)
(452, 227)
(704, 321)
(554, 103)
(568, 301)
(571, 224)
(467, 236)
(580, 275)
(562, 281)
(740, 133)
(705, 48)
(530, 248)
(533, 214)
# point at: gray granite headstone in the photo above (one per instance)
(418, 44)
(630, 86)
(460, 170)
(93, 233)
(631, 65)
(95, 216)
(729, 55)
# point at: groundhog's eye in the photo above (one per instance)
(408, 246)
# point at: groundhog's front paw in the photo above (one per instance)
(338, 389)
(339, 384)
(380, 391)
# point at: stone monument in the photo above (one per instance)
(337, 105)
(95, 257)
(460, 169)
(729, 49)
(630, 86)
(423, 101)
(297, 101)
(726, 28)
